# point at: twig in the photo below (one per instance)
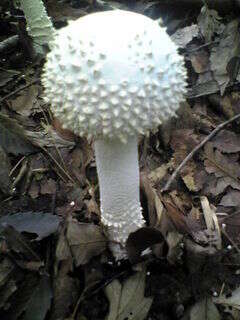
(18, 90)
(196, 149)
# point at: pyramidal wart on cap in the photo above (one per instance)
(112, 76)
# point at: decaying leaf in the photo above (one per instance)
(85, 240)
(65, 287)
(221, 55)
(204, 309)
(211, 223)
(185, 35)
(175, 250)
(40, 301)
(232, 301)
(226, 170)
(183, 141)
(42, 224)
(209, 23)
(5, 182)
(18, 244)
(227, 141)
(231, 199)
(26, 101)
(127, 300)
(13, 137)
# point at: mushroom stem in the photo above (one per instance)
(118, 174)
(39, 25)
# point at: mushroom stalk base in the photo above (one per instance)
(118, 174)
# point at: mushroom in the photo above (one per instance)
(39, 25)
(112, 76)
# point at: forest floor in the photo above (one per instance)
(54, 261)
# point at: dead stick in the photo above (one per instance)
(196, 149)
(19, 89)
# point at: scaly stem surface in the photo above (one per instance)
(118, 174)
(39, 25)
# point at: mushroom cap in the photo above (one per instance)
(113, 74)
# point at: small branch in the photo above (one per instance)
(9, 95)
(196, 149)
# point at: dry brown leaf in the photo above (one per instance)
(200, 61)
(48, 186)
(227, 141)
(27, 101)
(85, 240)
(231, 199)
(226, 170)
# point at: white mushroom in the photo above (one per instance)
(39, 25)
(112, 76)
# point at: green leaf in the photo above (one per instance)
(127, 300)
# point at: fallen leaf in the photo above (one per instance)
(48, 186)
(185, 35)
(209, 23)
(25, 102)
(6, 269)
(231, 199)
(5, 182)
(227, 48)
(13, 137)
(200, 61)
(42, 224)
(204, 309)
(226, 171)
(85, 240)
(175, 250)
(226, 141)
(40, 300)
(127, 300)
(18, 244)
(7, 76)
(232, 301)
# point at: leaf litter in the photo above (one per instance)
(49, 191)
